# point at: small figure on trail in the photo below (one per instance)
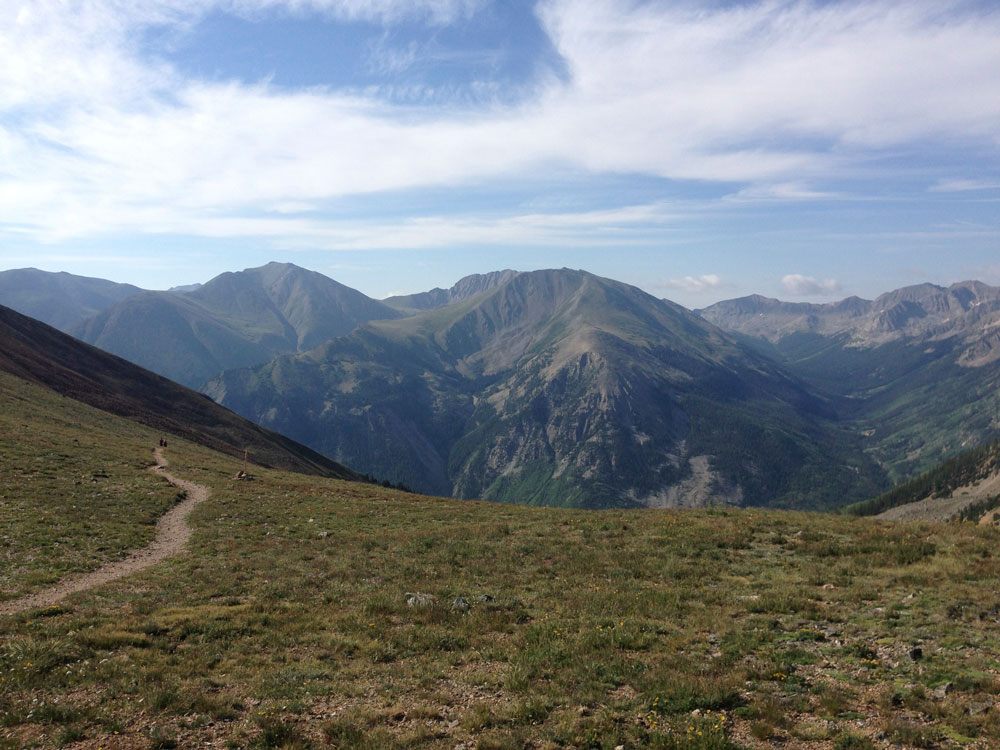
(161, 442)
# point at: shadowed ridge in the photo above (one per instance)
(62, 300)
(40, 354)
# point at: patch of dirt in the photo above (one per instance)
(945, 508)
(172, 533)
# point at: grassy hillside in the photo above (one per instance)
(40, 354)
(287, 625)
(70, 498)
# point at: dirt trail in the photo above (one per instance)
(172, 533)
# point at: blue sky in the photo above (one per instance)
(701, 150)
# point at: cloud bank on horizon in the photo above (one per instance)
(664, 130)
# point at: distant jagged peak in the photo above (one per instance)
(919, 311)
(757, 303)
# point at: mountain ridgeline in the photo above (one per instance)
(560, 388)
(62, 300)
(234, 320)
(466, 287)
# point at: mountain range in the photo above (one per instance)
(563, 388)
(559, 388)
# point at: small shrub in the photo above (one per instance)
(69, 735)
(852, 742)
(276, 733)
(686, 695)
(342, 734)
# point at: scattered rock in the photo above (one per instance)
(460, 605)
(990, 614)
(624, 692)
(323, 534)
(942, 690)
(485, 598)
(828, 587)
(417, 599)
(975, 709)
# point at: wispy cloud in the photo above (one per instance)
(606, 228)
(782, 191)
(693, 284)
(806, 286)
(95, 137)
(958, 185)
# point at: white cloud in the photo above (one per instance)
(806, 286)
(781, 191)
(386, 11)
(95, 137)
(693, 284)
(582, 229)
(957, 185)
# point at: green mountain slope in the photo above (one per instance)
(559, 388)
(959, 478)
(62, 300)
(235, 320)
(44, 356)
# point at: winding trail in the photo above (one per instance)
(172, 533)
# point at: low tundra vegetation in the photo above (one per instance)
(291, 622)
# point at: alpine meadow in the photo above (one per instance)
(499, 375)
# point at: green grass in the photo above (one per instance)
(287, 624)
(70, 499)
